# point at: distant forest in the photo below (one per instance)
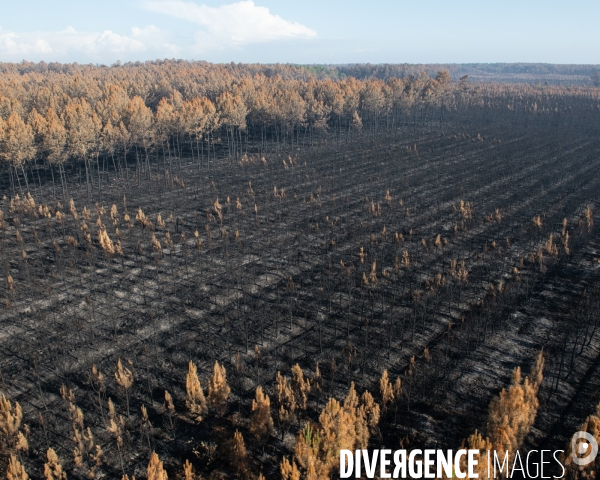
(481, 72)
(563, 74)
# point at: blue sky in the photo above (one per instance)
(309, 31)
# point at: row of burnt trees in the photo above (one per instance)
(391, 262)
(341, 425)
(396, 255)
(114, 119)
(103, 438)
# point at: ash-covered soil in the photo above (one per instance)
(466, 265)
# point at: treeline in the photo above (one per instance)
(360, 71)
(457, 70)
(137, 118)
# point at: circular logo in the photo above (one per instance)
(582, 448)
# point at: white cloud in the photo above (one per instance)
(221, 31)
(146, 31)
(153, 38)
(12, 44)
(231, 25)
(70, 44)
(94, 44)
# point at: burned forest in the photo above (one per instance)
(235, 271)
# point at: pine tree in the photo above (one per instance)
(97, 382)
(218, 389)
(146, 426)
(513, 412)
(15, 470)
(170, 411)
(300, 387)
(341, 426)
(287, 404)
(115, 427)
(385, 390)
(10, 422)
(338, 427)
(196, 402)
(105, 242)
(308, 454)
(138, 121)
(372, 409)
(52, 468)
(87, 454)
(289, 470)
(188, 471)
(54, 138)
(237, 452)
(124, 378)
(16, 142)
(261, 422)
(155, 468)
(318, 380)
